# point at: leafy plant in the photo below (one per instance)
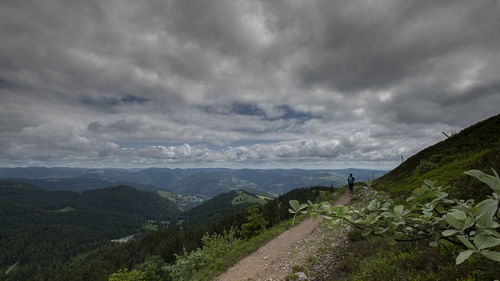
(427, 215)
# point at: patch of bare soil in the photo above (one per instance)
(274, 260)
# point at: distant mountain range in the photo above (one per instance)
(201, 182)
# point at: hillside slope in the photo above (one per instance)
(371, 258)
(220, 206)
(476, 147)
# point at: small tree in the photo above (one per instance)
(256, 222)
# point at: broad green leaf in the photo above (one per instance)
(456, 218)
(303, 206)
(433, 244)
(325, 208)
(469, 221)
(360, 221)
(291, 211)
(483, 241)
(341, 210)
(327, 217)
(485, 211)
(371, 218)
(491, 181)
(398, 210)
(449, 232)
(388, 214)
(463, 256)
(385, 206)
(294, 204)
(491, 233)
(374, 205)
(465, 241)
(492, 255)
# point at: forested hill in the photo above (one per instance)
(126, 200)
(476, 147)
(35, 197)
(220, 206)
(42, 228)
(118, 199)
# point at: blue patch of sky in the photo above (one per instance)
(289, 113)
(111, 101)
(133, 99)
(4, 84)
(252, 142)
(247, 109)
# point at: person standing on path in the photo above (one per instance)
(350, 181)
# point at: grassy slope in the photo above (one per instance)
(477, 147)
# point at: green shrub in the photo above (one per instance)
(425, 166)
(214, 246)
(125, 275)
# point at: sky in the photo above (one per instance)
(241, 83)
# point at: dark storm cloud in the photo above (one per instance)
(299, 83)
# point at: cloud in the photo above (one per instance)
(262, 83)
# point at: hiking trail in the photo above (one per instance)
(274, 260)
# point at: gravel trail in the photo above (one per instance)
(274, 260)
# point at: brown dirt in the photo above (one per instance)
(274, 260)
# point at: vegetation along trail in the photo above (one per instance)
(274, 260)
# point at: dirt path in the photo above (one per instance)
(274, 260)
